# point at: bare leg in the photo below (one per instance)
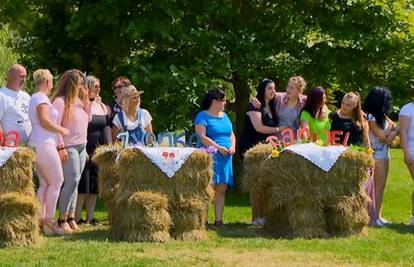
(380, 180)
(90, 206)
(219, 201)
(79, 205)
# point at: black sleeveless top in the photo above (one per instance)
(250, 137)
(346, 125)
(96, 133)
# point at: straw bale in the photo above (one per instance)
(19, 222)
(16, 175)
(145, 218)
(277, 221)
(347, 215)
(189, 216)
(305, 201)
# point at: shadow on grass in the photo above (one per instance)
(100, 234)
(241, 230)
(401, 228)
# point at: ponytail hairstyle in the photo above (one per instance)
(212, 94)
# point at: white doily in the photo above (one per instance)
(168, 159)
(6, 153)
(322, 156)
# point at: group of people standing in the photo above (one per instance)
(64, 131)
(270, 112)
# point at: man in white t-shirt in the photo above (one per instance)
(14, 104)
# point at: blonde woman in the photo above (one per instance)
(99, 133)
(350, 119)
(43, 117)
(133, 119)
(71, 101)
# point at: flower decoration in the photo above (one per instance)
(275, 153)
(319, 142)
(165, 154)
(210, 149)
(172, 155)
(370, 151)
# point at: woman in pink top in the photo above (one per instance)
(71, 100)
(43, 117)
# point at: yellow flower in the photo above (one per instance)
(275, 153)
(319, 142)
(370, 151)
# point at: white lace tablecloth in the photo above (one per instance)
(322, 156)
(6, 153)
(168, 159)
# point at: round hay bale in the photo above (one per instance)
(19, 222)
(277, 221)
(145, 218)
(16, 175)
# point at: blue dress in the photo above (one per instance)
(219, 129)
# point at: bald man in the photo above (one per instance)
(14, 104)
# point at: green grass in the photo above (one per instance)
(238, 243)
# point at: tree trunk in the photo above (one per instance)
(242, 93)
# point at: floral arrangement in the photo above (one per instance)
(210, 149)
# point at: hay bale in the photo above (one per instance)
(16, 175)
(305, 201)
(145, 218)
(19, 222)
(105, 157)
(189, 216)
(347, 215)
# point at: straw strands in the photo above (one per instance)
(305, 201)
(149, 206)
(19, 219)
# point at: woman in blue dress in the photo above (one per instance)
(214, 128)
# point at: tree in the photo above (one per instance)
(7, 54)
(175, 50)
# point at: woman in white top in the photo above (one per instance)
(132, 119)
(43, 117)
(382, 132)
(406, 123)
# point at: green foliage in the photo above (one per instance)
(175, 50)
(7, 53)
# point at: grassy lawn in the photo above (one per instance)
(238, 243)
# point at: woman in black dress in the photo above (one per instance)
(259, 124)
(99, 133)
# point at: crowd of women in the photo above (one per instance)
(66, 129)
(270, 112)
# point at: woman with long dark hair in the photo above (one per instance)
(214, 128)
(259, 123)
(314, 115)
(382, 132)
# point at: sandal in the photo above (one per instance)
(218, 224)
(72, 224)
(50, 228)
(63, 224)
(94, 222)
(81, 221)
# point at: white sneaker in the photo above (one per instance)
(384, 221)
(256, 222)
(378, 223)
(411, 222)
(261, 221)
